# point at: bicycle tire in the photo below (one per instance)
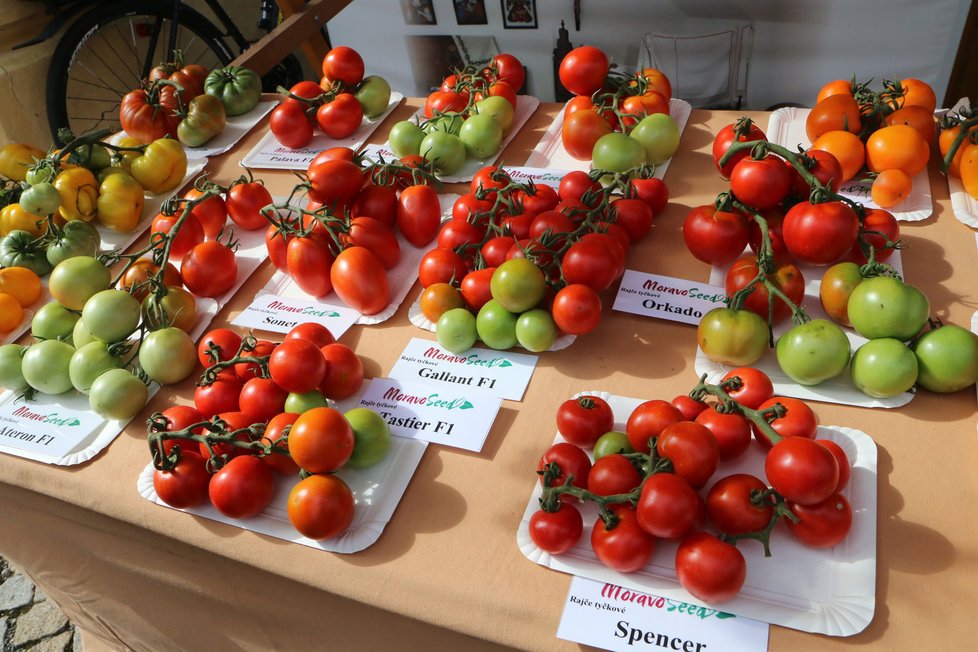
(93, 35)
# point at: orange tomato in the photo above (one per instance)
(835, 87)
(11, 312)
(890, 188)
(140, 273)
(944, 141)
(918, 93)
(834, 113)
(897, 147)
(22, 284)
(969, 170)
(439, 298)
(847, 148)
(13, 217)
(917, 117)
(658, 82)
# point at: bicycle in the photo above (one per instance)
(111, 47)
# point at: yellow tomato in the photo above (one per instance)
(14, 217)
(120, 202)
(21, 283)
(78, 188)
(162, 166)
(11, 312)
(15, 158)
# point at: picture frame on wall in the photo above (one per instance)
(470, 12)
(519, 14)
(418, 12)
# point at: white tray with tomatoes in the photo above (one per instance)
(550, 152)
(235, 128)
(400, 278)
(827, 591)
(269, 154)
(377, 490)
(836, 390)
(107, 430)
(786, 127)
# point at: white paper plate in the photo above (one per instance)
(965, 206)
(107, 431)
(269, 154)
(787, 128)
(400, 278)
(525, 106)
(550, 152)
(115, 241)
(236, 128)
(829, 591)
(837, 390)
(376, 490)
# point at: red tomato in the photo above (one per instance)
(786, 276)
(798, 421)
(374, 235)
(490, 178)
(233, 420)
(244, 204)
(543, 198)
(219, 397)
(345, 65)
(731, 507)
(475, 288)
(332, 154)
(469, 206)
(444, 102)
(495, 249)
(760, 183)
(885, 227)
(321, 440)
(209, 269)
(572, 462)
(845, 467)
(710, 569)
(191, 233)
(510, 70)
(335, 182)
(441, 266)
(692, 449)
(725, 138)
(583, 70)
(499, 89)
(455, 233)
(297, 366)
(311, 332)
(261, 399)
(668, 507)
(821, 525)
(688, 407)
(243, 487)
(309, 262)
(577, 309)
(277, 244)
(649, 420)
(378, 202)
(824, 166)
(290, 125)
(344, 372)
(613, 474)
(360, 280)
(590, 263)
(583, 419)
(580, 131)
(652, 191)
(820, 234)
(755, 386)
(556, 532)
(626, 547)
(418, 214)
(274, 432)
(775, 219)
(633, 215)
(321, 507)
(341, 117)
(801, 470)
(246, 370)
(226, 342)
(575, 184)
(732, 432)
(713, 236)
(185, 485)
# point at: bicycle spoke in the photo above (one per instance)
(132, 50)
(91, 99)
(96, 76)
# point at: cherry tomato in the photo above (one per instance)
(801, 470)
(556, 532)
(649, 420)
(710, 569)
(668, 507)
(573, 462)
(798, 421)
(613, 474)
(344, 372)
(755, 386)
(731, 431)
(582, 420)
(243, 487)
(626, 547)
(823, 524)
(692, 449)
(185, 485)
(731, 507)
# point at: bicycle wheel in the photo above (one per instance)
(104, 53)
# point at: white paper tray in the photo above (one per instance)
(376, 490)
(829, 591)
(837, 390)
(236, 128)
(525, 106)
(104, 434)
(787, 128)
(269, 154)
(550, 152)
(965, 206)
(400, 278)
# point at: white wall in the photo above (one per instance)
(798, 46)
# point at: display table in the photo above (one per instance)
(447, 573)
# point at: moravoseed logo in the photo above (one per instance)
(470, 359)
(432, 400)
(53, 418)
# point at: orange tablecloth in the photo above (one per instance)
(446, 573)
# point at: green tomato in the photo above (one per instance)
(481, 135)
(499, 108)
(617, 152)
(111, 315)
(40, 174)
(496, 326)
(117, 394)
(883, 368)
(21, 249)
(206, 118)
(373, 95)
(884, 306)
(76, 280)
(659, 137)
(93, 157)
(53, 322)
(88, 363)
(456, 330)
(80, 335)
(518, 285)
(77, 238)
(450, 123)
(11, 374)
(610, 443)
(167, 355)
(299, 403)
(40, 199)
(536, 330)
(813, 352)
(947, 359)
(734, 337)
(372, 438)
(405, 138)
(445, 150)
(239, 88)
(45, 366)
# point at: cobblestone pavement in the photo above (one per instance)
(28, 620)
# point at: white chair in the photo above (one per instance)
(707, 70)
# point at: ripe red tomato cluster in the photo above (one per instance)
(345, 242)
(685, 502)
(577, 237)
(336, 105)
(617, 104)
(303, 371)
(503, 77)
